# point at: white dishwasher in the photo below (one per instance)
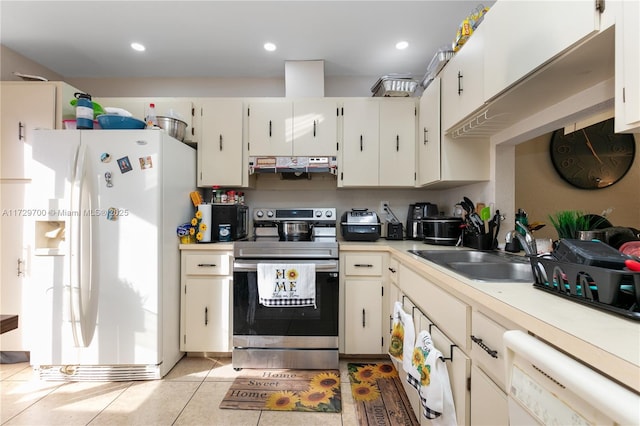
(547, 387)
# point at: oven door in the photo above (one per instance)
(250, 318)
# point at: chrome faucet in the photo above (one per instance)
(527, 241)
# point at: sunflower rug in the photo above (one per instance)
(285, 390)
(379, 396)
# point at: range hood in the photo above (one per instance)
(293, 165)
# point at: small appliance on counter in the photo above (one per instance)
(417, 212)
(231, 217)
(395, 230)
(442, 230)
(360, 225)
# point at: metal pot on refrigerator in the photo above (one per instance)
(442, 230)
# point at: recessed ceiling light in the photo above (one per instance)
(269, 47)
(138, 46)
(401, 45)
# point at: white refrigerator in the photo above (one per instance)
(105, 275)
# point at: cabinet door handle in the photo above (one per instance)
(269, 128)
(487, 349)
(20, 129)
(220, 141)
(208, 265)
(363, 265)
(314, 128)
(459, 83)
(364, 323)
(20, 271)
(360, 142)
(425, 135)
(206, 315)
(397, 143)
(393, 271)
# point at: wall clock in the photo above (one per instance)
(594, 157)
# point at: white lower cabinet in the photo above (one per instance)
(488, 401)
(206, 301)
(364, 327)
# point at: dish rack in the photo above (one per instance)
(612, 290)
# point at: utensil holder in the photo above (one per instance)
(485, 242)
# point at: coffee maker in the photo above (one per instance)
(417, 212)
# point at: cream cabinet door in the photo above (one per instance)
(315, 127)
(207, 315)
(220, 159)
(397, 142)
(25, 107)
(363, 316)
(550, 29)
(488, 401)
(359, 150)
(429, 135)
(462, 90)
(627, 78)
(270, 127)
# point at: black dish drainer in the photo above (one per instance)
(612, 290)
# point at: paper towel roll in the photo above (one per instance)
(205, 209)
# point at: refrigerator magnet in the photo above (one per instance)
(145, 162)
(107, 179)
(112, 214)
(124, 164)
(105, 157)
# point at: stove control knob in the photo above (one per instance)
(318, 213)
(259, 213)
(328, 213)
(269, 213)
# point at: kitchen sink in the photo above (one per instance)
(481, 265)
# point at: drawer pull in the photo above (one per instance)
(206, 316)
(487, 349)
(364, 323)
(363, 265)
(208, 265)
(393, 271)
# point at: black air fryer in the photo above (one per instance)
(417, 212)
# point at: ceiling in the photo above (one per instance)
(83, 39)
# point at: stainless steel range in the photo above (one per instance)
(287, 333)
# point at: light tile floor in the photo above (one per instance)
(189, 395)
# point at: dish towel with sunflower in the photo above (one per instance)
(432, 381)
(287, 284)
(403, 336)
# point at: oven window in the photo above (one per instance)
(252, 318)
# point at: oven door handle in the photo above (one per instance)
(252, 265)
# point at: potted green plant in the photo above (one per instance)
(576, 224)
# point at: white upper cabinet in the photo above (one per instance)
(361, 143)
(521, 36)
(463, 81)
(282, 127)
(397, 142)
(429, 135)
(315, 127)
(220, 148)
(627, 78)
(270, 127)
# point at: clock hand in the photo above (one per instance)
(591, 147)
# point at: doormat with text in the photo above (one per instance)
(379, 396)
(285, 390)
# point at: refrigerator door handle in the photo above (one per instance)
(81, 292)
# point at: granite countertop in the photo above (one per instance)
(604, 341)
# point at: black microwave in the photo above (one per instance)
(234, 215)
